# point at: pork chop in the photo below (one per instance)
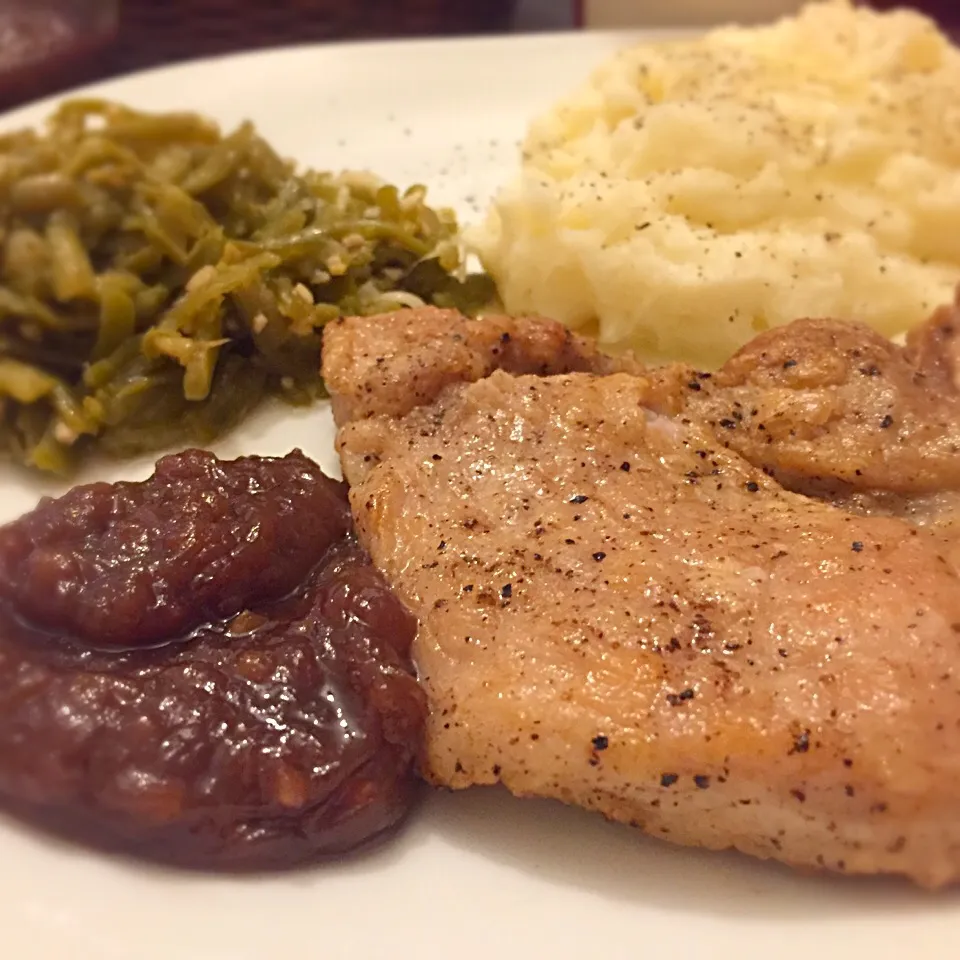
(393, 362)
(836, 410)
(617, 611)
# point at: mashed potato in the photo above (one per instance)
(694, 193)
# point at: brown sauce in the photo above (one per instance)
(256, 709)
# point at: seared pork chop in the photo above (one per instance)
(396, 361)
(837, 411)
(619, 612)
(823, 401)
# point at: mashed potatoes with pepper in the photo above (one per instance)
(694, 193)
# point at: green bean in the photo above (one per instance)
(159, 279)
(26, 260)
(23, 382)
(118, 315)
(27, 307)
(43, 192)
(73, 275)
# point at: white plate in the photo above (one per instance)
(475, 875)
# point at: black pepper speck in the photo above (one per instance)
(675, 699)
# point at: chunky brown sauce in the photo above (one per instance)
(218, 676)
(133, 564)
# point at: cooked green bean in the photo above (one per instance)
(158, 279)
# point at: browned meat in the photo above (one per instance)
(934, 347)
(834, 407)
(393, 362)
(265, 739)
(618, 611)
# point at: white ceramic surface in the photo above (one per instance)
(477, 876)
